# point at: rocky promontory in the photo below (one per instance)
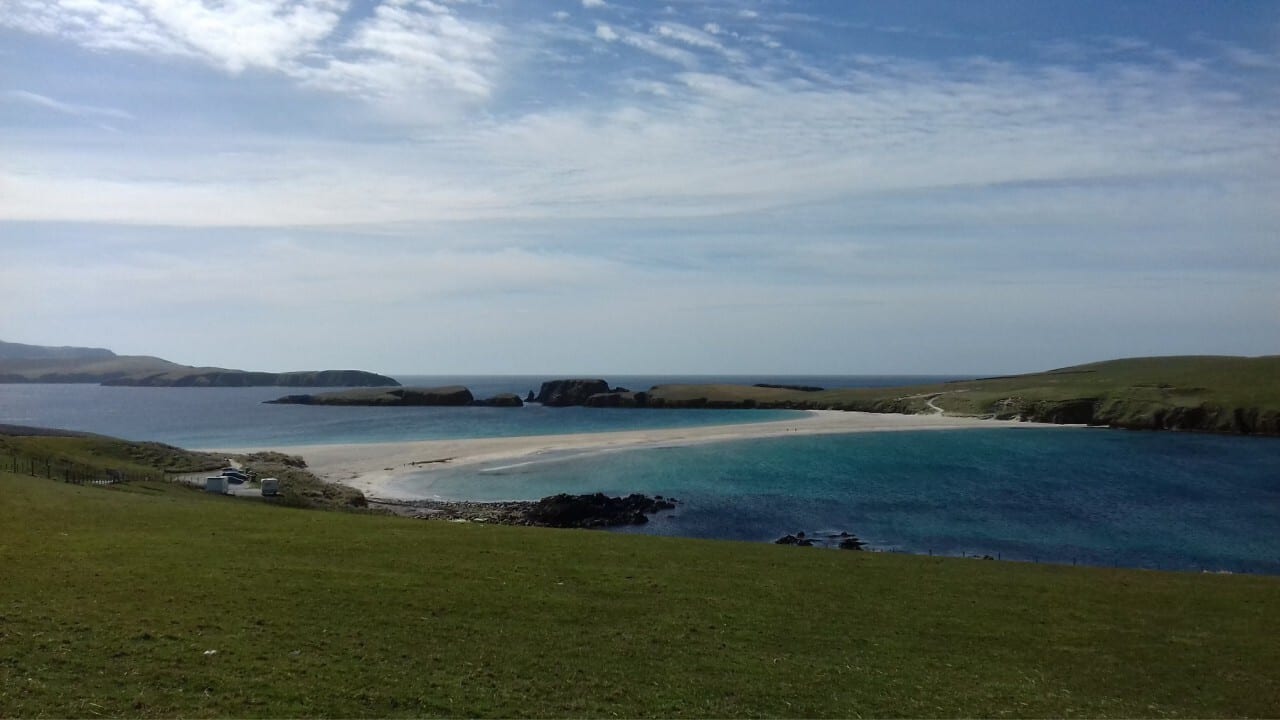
(242, 378)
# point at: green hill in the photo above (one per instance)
(40, 364)
(1202, 393)
(149, 599)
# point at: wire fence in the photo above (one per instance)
(63, 471)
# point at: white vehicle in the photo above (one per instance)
(270, 487)
(216, 484)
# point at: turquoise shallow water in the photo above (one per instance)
(1099, 497)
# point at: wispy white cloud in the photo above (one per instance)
(65, 108)
(698, 39)
(649, 44)
(404, 47)
(241, 34)
(704, 144)
(234, 35)
(609, 168)
(409, 49)
(591, 4)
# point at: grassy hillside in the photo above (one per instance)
(78, 456)
(1208, 393)
(83, 457)
(153, 600)
(39, 364)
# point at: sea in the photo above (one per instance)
(1156, 500)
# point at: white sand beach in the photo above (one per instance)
(373, 468)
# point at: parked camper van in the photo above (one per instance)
(216, 484)
(270, 487)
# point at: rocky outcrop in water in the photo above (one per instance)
(562, 393)
(597, 510)
(501, 400)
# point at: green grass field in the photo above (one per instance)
(113, 597)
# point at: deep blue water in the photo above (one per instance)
(212, 418)
(1097, 497)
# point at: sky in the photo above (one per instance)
(615, 186)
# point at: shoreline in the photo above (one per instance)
(375, 468)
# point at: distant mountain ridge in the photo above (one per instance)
(19, 351)
(21, 363)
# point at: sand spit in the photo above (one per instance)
(374, 468)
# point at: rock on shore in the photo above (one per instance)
(594, 510)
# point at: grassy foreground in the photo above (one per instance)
(155, 600)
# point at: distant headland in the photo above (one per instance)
(1222, 394)
(40, 364)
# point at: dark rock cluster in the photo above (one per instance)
(594, 510)
(842, 540)
(562, 393)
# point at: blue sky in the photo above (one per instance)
(602, 186)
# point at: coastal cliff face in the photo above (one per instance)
(1135, 416)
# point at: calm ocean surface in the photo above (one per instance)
(201, 418)
(1098, 497)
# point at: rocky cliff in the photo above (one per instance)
(1144, 416)
(561, 393)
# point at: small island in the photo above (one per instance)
(447, 396)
